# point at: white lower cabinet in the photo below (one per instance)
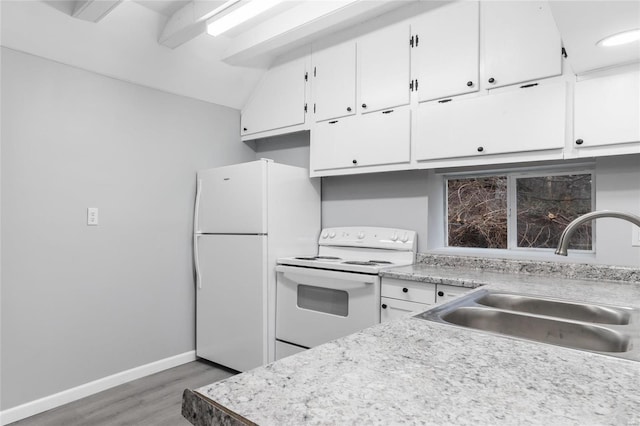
(444, 292)
(373, 139)
(401, 298)
(518, 120)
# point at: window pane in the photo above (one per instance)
(477, 212)
(547, 204)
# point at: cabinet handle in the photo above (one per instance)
(348, 109)
(244, 128)
(480, 149)
(441, 293)
(492, 80)
(333, 122)
(404, 290)
(355, 161)
(444, 101)
(364, 105)
(469, 83)
(579, 141)
(387, 112)
(384, 306)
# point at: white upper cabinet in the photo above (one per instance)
(279, 99)
(446, 51)
(522, 120)
(332, 144)
(520, 42)
(607, 112)
(383, 68)
(379, 138)
(384, 138)
(334, 81)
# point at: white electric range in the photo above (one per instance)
(336, 292)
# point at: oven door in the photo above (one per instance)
(315, 306)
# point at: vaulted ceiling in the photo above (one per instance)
(163, 44)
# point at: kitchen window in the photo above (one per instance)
(518, 210)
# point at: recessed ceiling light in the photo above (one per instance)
(620, 38)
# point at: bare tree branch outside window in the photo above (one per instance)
(477, 210)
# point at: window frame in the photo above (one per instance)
(512, 205)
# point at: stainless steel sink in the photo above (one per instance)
(556, 308)
(608, 330)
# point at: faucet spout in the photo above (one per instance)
(563, 244)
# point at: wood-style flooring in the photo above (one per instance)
(154, 400)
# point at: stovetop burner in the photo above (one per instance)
(318, 258)
(366, 262)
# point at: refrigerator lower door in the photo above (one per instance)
(231, 300)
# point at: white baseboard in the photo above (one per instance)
(52, 401)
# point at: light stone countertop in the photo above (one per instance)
(412, 371)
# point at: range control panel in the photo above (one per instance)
(371, 237)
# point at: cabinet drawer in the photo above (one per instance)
(444, 292)
(409, 291)
(393, 308)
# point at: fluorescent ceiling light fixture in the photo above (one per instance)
(620, 38)
(240, 15)
(220, 8)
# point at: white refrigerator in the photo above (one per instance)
(246, 216)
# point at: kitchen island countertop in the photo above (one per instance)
(412, 371)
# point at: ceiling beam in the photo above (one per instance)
(188, 22)
(93, 10)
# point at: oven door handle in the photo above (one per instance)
(337, 280)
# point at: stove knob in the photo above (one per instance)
(361, 235)
(394, 237)
(325, 234)
(332, 234)
(405, 237)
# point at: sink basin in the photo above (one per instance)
(556, 308)
(569, 334)
(608, 330)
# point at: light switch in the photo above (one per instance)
(92, 216)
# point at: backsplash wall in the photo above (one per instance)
(415, 200)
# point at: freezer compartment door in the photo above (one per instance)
(231, 300)
(232, 199)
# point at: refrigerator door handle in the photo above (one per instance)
(197, 206)
(196, 260)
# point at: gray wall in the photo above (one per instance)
(83, 302)
(415, 200)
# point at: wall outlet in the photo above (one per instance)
(92, 216)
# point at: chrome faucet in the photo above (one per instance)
(571, 227)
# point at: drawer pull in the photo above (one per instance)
(441, 293)
(404, 290)
(384, 306)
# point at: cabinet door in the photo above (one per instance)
(518, 120)
(607, 110)
(391, 309)
(384, 73)
(446, 52)
(520, 41)
(444, 292)
(278, 100)
(383, 137)
(334, 82)
(332, 144)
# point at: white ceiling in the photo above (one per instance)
(163, 7)
(163, 44)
